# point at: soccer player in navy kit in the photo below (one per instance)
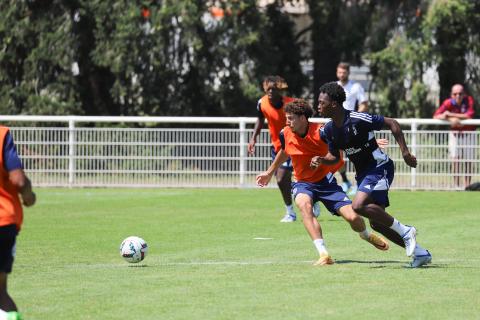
(353, 132)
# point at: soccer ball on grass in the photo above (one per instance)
(133, 249)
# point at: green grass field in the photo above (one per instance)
(205, 263)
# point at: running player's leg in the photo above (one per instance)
(304, 200)
(6, 302)
(421, 256)
(337, 202)
(388, 233)
(372, 199)
(7, 252)
(284, 182)
(358, 225)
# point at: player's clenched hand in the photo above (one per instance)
(410, 160)
(315, 162)
(29, 199)
(251, 148)
(263, 179)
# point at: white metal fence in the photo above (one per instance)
(75, 151)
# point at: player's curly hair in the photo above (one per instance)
(334, 91)
(280, 83)
(300, 107)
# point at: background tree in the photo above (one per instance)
(120, 57)
(35, 59)
(453, 30)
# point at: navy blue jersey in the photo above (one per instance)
(356, 137)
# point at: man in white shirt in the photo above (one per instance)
(355, 101)
(355, 94)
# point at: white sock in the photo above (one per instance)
(364, 234)
(290, 210)
(419, 251)
(399, 228)
(320, 245)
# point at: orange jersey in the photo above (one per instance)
(11, 211)
(276, 119)
(302, 150)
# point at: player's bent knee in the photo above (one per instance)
(358, 207)
(348, 213)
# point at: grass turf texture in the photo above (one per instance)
(204, 262)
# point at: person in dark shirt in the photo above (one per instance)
(353, 132)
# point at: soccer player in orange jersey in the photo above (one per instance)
(13, 183)
(271, 107)
(300, 140)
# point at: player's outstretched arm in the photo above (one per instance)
(397, 132)
(256, 131)
(264, 178)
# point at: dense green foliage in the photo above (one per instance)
(160, 58)
(119, 57)
(440, 34)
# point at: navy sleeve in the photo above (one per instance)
(323, 135)
(11, 160)
(378, 122)
(326, 137)
(282, 139)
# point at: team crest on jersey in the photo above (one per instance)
(353, 128)
(355, 132)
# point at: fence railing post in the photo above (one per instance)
(413, 171)
(243, 153)
(71, 152)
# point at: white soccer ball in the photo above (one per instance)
(133, 249)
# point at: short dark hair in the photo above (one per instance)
(299, 107)
(334, 91)
(280, 83)
(344, 65)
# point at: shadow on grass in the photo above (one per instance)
(377, 264)
(138, 266)
(368, 262)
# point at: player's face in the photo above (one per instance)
(295, 122)
(325, 105)
(272, 91)
(342, 74)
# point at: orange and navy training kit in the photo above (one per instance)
(277, 119)
(11, 212)
(319, 183)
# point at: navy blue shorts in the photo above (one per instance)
(376, 182)
(326, 190)
(8, 235)
(286, 165)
